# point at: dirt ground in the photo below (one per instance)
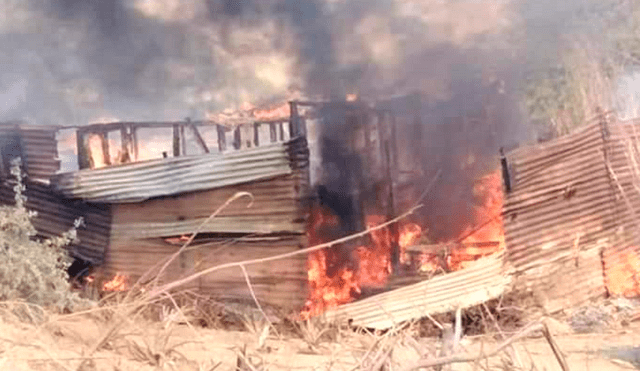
(65, 342)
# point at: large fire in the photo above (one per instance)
(331, 286)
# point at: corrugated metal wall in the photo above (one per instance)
(559, 218)
(275, 223)
(56, 215)
(38, 149)
(573, 210)
(621, 258)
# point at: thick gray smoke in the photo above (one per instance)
(76, 61)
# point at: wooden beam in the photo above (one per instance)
(104, 142)
(293, 120)
(83, 152)
(256, 134)
(125, 145)
(222, 138)
(237, 138)
(183, 141)
(134, 137)
(199, 138)
(176, 140)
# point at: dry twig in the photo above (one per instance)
(461, 358)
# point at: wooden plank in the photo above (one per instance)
(83, 151)
(273, 132)
(237, 138)
(199, 138)
(256, 134)
(176, 140)
(222, 138)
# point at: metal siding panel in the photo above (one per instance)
(560, 190)
(136, 182)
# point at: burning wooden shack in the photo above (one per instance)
(322, 171)
(138, 209)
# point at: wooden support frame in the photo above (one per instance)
(222, 138)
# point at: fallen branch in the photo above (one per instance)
(462, 358)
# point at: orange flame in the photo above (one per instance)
(622, 273)
(118, 283)
(351, 97)
(486, 235)
(328, 290)
(409, 234)
(280, 112)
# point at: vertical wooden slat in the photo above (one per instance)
(199, 138)
(273, 132)
(104, 142)
(125, 145)
(256, 134)
(183, 140)
(293, 120)
(237, 138)
(83, 153)
(134, 137)
(176, 140)
(222, 138)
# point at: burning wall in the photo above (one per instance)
(571, 228)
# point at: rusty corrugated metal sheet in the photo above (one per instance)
(275, 223)
(280, 283)
(38, 149)
(140, 181)
(276, 208)
(56, 215)
(559, 217)
(483, 280)
(621, 258)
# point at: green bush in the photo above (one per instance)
(31, 269)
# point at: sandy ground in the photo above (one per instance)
(63, 344)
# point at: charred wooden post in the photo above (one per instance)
(183, 140)
(176, 140)
(83, 150)
(199, 138)
(125, 145)
(506, 177)
(273, 132)
(294, 129)
(134, 138)
(237, 138)
(104, 143)
(222, 138)
(256, 134)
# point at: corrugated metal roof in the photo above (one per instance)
(483, 280)
(140, 181)
(56, 215)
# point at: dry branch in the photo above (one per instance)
(462, 358)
